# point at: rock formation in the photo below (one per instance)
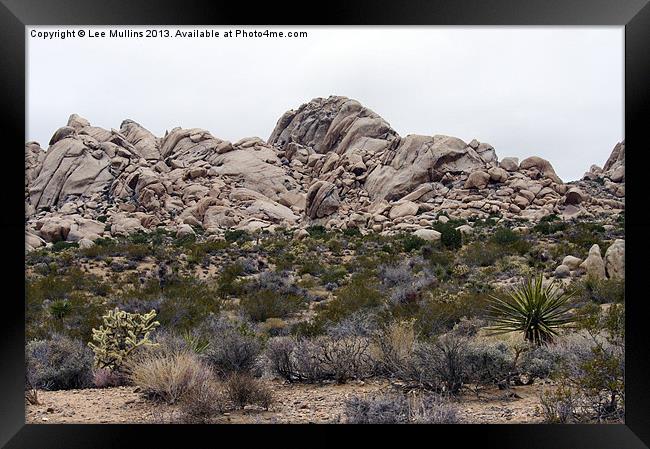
(331, 162)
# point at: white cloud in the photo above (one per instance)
(555, 92)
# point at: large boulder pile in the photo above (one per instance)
(331, 162)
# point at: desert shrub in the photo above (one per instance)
(440, 313)
(62, 245)
(60, 363)
(400, 409)
(558, 406)
(412, 242)
(358, 294)
(393, 349)
(345, 358)
(185, 302)
(450, 237)
(601, 291)
(232, 347)
(119, 336)
(482, 254)
(489, 362)
(438, 256)
(550, 224)
(432, 409)
(317, 359)
(239, 236)
(442, 364)
(317, 232)
(243, 390)
(358, 324)
(228, 280)
(278, 355)
(590, 369)
(201, 401)
(168, 376)
(274, 327)
(540, 362)
(271, 295)
(105, 378)
(310, 266)
(512, 242)
(584, 234)
(334, 274)
(261, 305)
(505, 236)
(405, 281)
(381, 409)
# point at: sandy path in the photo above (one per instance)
(294, 403)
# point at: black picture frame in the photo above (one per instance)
(16, 14)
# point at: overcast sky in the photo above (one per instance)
(551, 92)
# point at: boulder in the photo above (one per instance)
(335, 124)
(572, 262)
(465, 229)
(33, 241)
(542, 165)
(125, 225)
(498, 174)
(322, 200)
(184, 230)
(428, 234)
(417, 160)
(594, 264)
(509, 164)
(55, 229)
(70, 168)
(562, 271)
(574, 196)
(477, 180)
(615, 260)
(403, 209)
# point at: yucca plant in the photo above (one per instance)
(537, 311)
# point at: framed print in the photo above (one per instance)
(383, 213)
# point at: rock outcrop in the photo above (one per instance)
(332, 162)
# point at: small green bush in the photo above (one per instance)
(451, 238)
(261, 305)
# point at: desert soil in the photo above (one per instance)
(294, 403)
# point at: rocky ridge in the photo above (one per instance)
(331, 162)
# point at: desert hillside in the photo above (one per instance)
(335, 273)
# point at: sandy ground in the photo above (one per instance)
(294, 403)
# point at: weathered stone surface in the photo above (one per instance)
(615, 260)
(419, 159)
(333, 124)
(572, 262)
(403, 209)
(331, 159)
(477, 180)
(509, 163)
(574, 196)
(428, 234)
(562, 271)
(544, 167)
(322, 200)
(69, 167)
(594, 264)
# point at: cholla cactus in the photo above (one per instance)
(121, 333)
(460, 270)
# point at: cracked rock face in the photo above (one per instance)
(322, 200)
(331, 162)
